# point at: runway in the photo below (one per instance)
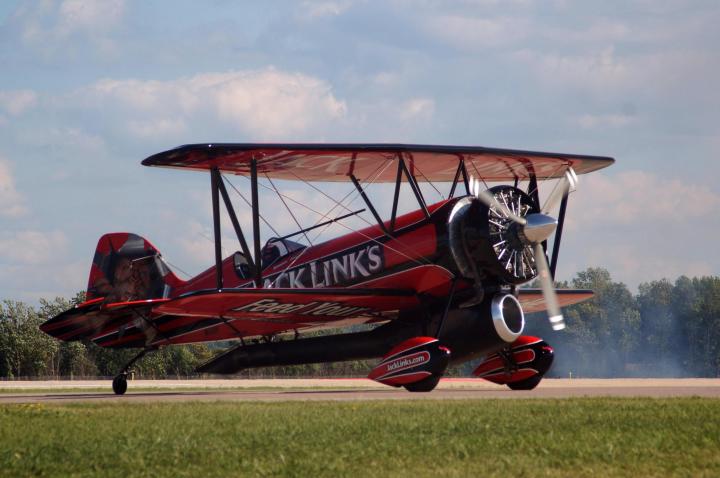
(278, 390)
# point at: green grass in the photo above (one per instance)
(508, 438)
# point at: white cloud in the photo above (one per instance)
(631, 262)
(638, 197)
(164, 127)
(641, 226)
(590, 121)
(89, 15)
(475, 33)
(50, 27)
(16, 102)
(43, 281)
(417, 108)
(49, 20)
(12, 203)
(603, 31)
(600, 70)
(197, 246)
(312, 9)
(33, 247)
(272, 103)
(264, 104)
(658, 75)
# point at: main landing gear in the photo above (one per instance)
(425, 385)
(511, 366)
(119, 383)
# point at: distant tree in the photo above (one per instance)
(698, 313)
(24, 349)
(667, 329)
(601, 333)
(660, 346)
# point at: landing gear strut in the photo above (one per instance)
(119, 383)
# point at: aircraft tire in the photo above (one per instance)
(527, 384)
(424, 385)
(119, 385)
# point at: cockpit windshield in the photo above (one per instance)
(276, 248)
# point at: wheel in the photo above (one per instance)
(119, 384)
(424, 385)
(527, 384)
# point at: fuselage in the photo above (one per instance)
(351, 259)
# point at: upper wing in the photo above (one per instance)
(336, 162)
(532, 300)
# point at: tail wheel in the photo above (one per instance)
(424, 385)
(119, 384)
(527, 384)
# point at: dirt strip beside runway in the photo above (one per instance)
(361, 389)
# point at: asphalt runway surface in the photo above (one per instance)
(277, 390)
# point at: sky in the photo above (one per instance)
(89, 88)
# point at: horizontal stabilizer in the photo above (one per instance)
(94, 318)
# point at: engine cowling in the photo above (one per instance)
(486, 244)
(484, 328)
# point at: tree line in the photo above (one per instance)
(667, 329)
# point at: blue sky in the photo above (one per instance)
(90, 88)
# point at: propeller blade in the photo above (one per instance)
(566, 185)
(548, 289)
(487, 198)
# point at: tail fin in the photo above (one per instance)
(128, 267)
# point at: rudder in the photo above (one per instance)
(127, 267)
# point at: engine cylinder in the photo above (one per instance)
(485, 244)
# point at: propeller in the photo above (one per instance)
(534, 229)
(566, 186)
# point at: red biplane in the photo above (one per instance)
(439, 284)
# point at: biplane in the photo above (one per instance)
(435, 286)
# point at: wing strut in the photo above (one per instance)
(218, 189)
(460, 170)
(236, 224)
(369, 204)
(215, 182)
(398, 181)
(558, 233)
(414, 186)
(256, 221)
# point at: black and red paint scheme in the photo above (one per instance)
(416, 363)
(521, 366)
(433, 281)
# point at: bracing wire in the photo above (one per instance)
(288, 209)
(177, 268)
(550, 176)
(415, 166)
(377, 173)
(250, 205)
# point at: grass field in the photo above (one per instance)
(572, 437)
